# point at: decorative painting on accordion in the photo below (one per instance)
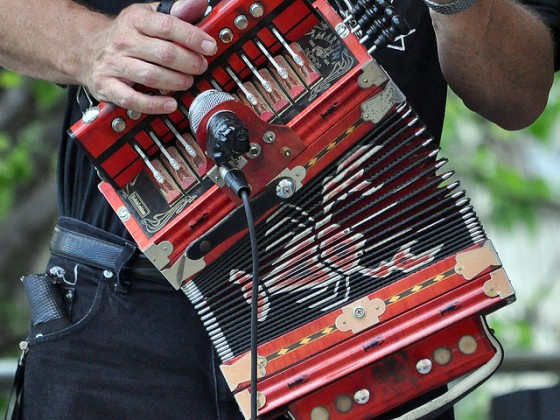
(378, 213)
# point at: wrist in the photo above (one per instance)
(88, 50)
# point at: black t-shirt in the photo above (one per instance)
(549, 11)
(411, 61)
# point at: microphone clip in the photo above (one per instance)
(227, 137)
(227, 140)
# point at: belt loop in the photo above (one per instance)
(128, 251)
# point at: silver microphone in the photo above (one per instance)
(227, 137)
(203, 104)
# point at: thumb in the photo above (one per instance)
(189, 10)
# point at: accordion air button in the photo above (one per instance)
(241, 22)
(226, 35)
(91, 115)
(257, 10)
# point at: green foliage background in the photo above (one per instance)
(482, 155)
(18, 147)
(28, 110)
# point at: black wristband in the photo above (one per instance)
(449, 8)
(164, 6)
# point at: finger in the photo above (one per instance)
(172, 28)
(169, 55)
(189, 10)
(151, 75)
(123, 95)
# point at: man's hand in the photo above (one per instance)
(145, 47)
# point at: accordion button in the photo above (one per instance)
(133, 115)
(344, 403)
(226, 35)
(257, 10)
(241, 22)
(443, 355)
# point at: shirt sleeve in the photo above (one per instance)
(549, 11)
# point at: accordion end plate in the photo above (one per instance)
(378, 106)
(471, 263)
(183, 268)
(373, 75)
(360, 315)
(499, 285)
(159, 253)
(243, 399)
(240, 371)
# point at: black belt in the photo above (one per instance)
(102, 254)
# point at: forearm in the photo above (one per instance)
(498, 57)
(60, 41)
(48, 39)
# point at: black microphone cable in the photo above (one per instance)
(244, 194)
(227, 139)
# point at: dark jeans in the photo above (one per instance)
(137, 352)
(134, 348)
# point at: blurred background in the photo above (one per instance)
(513, 180)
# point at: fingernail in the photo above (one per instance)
(204, 63)
(209, 46)
(176, 5)
(189, 82)
(169, 106)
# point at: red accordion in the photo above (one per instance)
(375, 271)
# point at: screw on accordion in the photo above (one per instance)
(376, 273)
